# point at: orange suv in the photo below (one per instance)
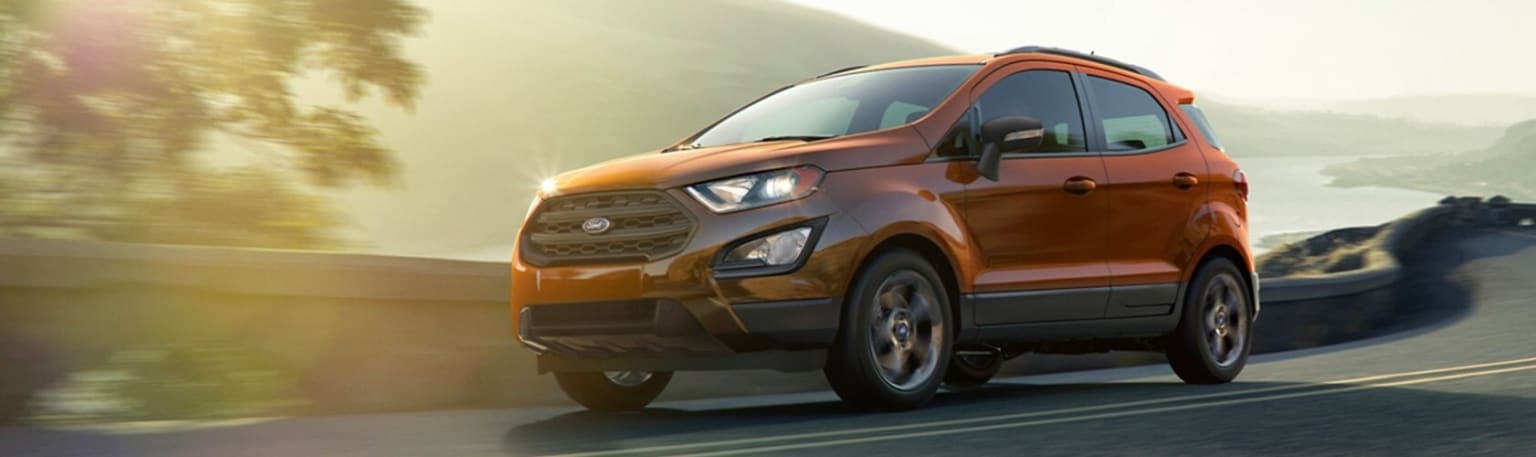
(899, 226)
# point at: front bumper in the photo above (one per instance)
(677, 312)
(662, 335)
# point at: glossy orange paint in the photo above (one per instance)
(1024, 232)
(1156, 224)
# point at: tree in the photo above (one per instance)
(107, 109)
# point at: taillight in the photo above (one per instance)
(1240, 180)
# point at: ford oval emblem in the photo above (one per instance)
(596, 225)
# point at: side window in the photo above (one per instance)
(1131, 119)
(1045, 95)
(957, 142)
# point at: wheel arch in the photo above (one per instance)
(931, 251)
(1244, 265)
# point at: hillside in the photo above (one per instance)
(518, 91)
(1461, 109)
(521, 90)
(1254, 132)
(1503, 168)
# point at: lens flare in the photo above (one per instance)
(547, 186)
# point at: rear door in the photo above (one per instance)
(1043, 245)
(1156, 189)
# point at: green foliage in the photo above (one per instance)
(106, 105)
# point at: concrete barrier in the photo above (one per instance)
(332, 332)
(1381, 265)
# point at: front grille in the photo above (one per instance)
(643, 225)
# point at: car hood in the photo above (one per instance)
(665, 170)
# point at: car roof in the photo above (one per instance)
(1051, 53)
(1132, 71)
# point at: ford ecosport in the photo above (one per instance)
(899, 226)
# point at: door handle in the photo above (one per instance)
(1079, 185)
(1185, 181)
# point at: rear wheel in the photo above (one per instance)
(894, 344)
(613, 390)
(971, 369)
(1215, 334)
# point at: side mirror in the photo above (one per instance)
(1004, 135)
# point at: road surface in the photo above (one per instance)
(1464, 385)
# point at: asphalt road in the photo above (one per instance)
(1464, 384)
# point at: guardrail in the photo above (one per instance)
(332, 333)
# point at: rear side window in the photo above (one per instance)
(1204, 126)
(1045, 95)
(1131, 119)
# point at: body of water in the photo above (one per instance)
(1288, 195)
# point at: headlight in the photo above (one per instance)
(754, 190)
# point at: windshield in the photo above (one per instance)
(840, 105)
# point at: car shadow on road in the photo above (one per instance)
(588, 430)
(596, 430)
(1368, 420)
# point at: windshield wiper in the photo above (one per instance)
(681, 147)
(685, 147)
(794, 137)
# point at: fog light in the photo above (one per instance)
(778, 249)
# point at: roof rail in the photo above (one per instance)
(1137, 69)
(840, 70)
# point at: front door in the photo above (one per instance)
(1041, 227)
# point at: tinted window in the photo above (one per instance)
(901, 113)
(1204, 126)
(824, 117)
(1131, 119)
(841, 105)
(1044, 95)
(957, 142)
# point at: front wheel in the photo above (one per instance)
(1215, 333)
(613, 390)
(894, 343)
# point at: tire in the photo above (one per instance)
(1217, 314)
(613, 391)
(972, 370)
(894, 343)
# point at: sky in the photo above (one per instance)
(1275, 51)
